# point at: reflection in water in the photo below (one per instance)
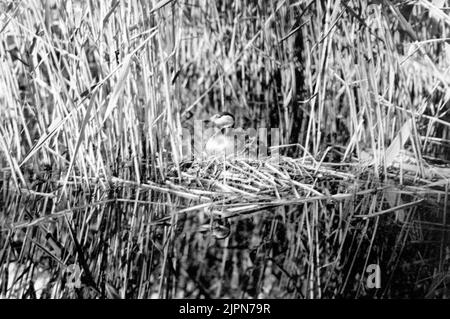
(290, 231)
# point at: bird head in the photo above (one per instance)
(222, 120)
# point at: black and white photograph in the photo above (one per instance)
(245, 150)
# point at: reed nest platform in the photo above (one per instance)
(292, 228)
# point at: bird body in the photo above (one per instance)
(219, 144)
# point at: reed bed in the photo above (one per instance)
(98, 201)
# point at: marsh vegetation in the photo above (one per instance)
(97, 200)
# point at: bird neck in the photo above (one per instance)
(219, 130)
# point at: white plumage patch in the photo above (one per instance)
(220, 145)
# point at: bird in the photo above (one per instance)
(219, 144)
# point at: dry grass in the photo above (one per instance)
(95, 196)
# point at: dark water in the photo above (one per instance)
(148, 241)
